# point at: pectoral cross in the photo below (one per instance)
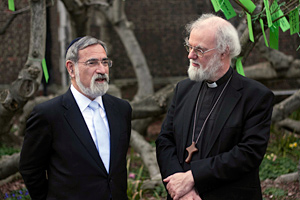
(191, 149)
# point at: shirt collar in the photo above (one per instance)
(222, 80)
(82, 101)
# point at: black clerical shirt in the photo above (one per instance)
(207, 98)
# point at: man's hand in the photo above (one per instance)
(179, 184)
(192, 195)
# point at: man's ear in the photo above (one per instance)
(225, 54)
(70, 67)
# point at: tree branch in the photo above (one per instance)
(14, 98)
(286, 107)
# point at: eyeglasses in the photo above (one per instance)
(200, 53)
(96, 62)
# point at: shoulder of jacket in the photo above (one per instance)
(185, 84)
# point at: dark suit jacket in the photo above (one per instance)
(57, 140)
(236, 147)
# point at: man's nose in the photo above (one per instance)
(101, 69)
(192, 55)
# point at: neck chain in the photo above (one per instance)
(191, 149)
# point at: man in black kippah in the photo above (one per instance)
(75, 145)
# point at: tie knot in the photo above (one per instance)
(94, 105)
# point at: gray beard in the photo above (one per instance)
(95, 89)
(209, 73)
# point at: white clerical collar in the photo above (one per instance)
(212, 85)
(222, 80)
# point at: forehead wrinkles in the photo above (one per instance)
(92, 52)
(203, 38)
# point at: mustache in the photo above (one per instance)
(193, 61)
(104, 77)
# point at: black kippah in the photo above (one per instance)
(75, 40)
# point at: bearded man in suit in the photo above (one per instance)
(216, 131)
(75, 145)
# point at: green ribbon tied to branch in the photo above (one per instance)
(11, 5)
(45, 70)
(239, 66)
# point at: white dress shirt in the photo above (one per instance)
(87, 113)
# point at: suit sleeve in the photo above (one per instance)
(166, 145)
(35, 154)
(128, 118)
(244, 157)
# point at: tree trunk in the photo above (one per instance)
(9, 165)
(27, 110)
(146, 151)
(286, 107)
(291, 125)
(78, 12)
(261, 71)
(13, 99)
(153, 106)
(138, 60)
(124, 29)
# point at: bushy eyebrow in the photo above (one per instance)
(198, 46)
(95, 59)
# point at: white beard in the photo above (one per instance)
(95, 89)
(209, 73)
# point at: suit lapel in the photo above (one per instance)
(75, 119)
(230, 100)
(189, 113)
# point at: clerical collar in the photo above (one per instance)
(223, 79)
(212, 85)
